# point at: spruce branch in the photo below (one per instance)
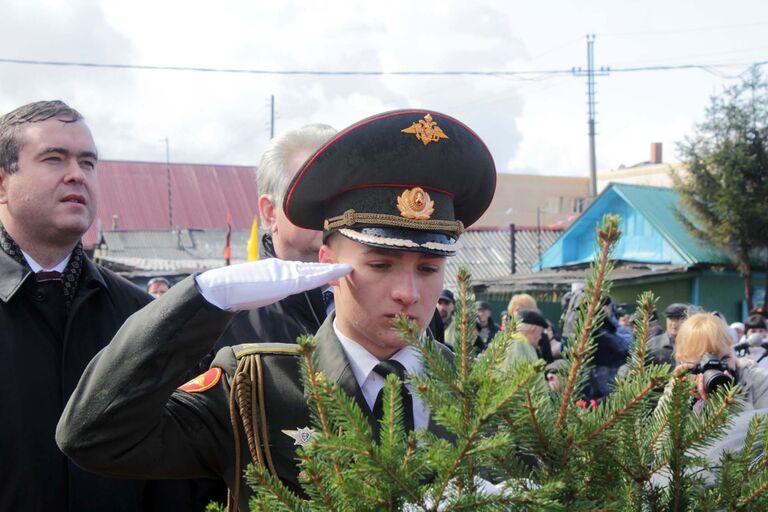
(646, 304)
(535, 422)
(607, 236)
(314, 379)
(618, 413)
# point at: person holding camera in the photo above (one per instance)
(754, 343)
(704, 346)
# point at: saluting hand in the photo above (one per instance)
(258, 283)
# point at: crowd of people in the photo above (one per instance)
(689, 336)
(358, 225)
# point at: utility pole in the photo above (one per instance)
(590, 73)
(538, 233)
(272, 117)
(168, 177)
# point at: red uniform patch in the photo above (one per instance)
(203, 382)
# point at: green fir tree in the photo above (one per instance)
(516, 444)
(724, 191)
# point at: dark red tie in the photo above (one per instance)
(45, 275)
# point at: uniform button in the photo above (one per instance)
(39, 296)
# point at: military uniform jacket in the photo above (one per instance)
(43, 352)
(127, 418)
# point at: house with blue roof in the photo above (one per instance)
(677, 267)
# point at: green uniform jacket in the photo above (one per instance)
(126, 417)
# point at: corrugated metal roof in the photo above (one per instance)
(560, 280)
(135, 195)
(485, 252)
(185, 250)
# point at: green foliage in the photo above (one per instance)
(724, 192)
(640, 449)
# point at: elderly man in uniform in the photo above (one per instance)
(392, 194)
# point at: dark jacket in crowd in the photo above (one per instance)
(612, 350)
(43, 352)
(485, 335)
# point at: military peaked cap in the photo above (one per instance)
(410, 180)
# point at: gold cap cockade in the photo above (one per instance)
(415, 203)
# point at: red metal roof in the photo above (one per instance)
(201, 196)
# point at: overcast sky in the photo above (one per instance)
(533, 123)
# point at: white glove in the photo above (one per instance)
(258, 283)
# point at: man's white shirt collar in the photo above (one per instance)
(362, 363)
(36, 267)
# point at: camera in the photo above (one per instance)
(714, 372)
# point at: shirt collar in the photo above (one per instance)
(362, 362)
(36, 267)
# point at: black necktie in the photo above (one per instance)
(385, 368)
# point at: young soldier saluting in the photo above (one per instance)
(392, 194)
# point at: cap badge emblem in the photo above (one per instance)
(415, 203)
(426, 130)
(302, 436)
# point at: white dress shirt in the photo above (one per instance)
(36, 267)
(370, 382)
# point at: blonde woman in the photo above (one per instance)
(704, 333)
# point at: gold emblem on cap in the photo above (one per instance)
(415, 203)
(426, 130)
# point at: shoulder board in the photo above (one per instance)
(266, 348)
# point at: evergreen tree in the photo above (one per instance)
(725, 190)
(516, 444)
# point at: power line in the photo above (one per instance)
(523, 75)
(278, 72)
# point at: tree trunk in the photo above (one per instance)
(746, 273)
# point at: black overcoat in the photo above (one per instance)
(42, 355)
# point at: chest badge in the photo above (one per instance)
(302, 436)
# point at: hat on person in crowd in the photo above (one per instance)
(754, 322)
(446, 295)
(532, 317)
(677, 311)
(481, 304)
(409, 180)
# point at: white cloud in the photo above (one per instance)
(531, 126)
